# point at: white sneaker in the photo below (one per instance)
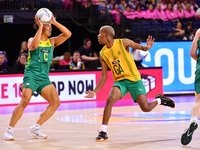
(35, 132)
(8, 136)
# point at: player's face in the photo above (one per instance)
(47, 29)
(102, 37)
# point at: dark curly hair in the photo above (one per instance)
(35, 26)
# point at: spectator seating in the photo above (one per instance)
(196, 25)
(135, 28)
(167, 24)
(145, 27)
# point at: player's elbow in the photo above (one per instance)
(192, 54)
(34, 46)
(69, 34)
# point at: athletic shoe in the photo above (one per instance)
(187, 135)
(35, 132)
(8, 136)
(102, 136)
(166, 101)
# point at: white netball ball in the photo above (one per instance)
(44, 14)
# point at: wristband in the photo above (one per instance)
(79, 64)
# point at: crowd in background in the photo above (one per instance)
(163, 10)
(111, 11)
(82, 58)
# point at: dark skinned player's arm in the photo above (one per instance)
(129, 43)
(103, 77)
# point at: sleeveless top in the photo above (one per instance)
(198, 60)
(39, 60)
(120, 62)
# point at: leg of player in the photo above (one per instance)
(17, 113)
(114, 96)
(148, 106)
(50, 94)
(144, 104)
(187, 135)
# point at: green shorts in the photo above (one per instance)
(135, 88)
(197, 81)
(35, 85)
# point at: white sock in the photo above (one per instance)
(158, 100)
(104, 128)
(10, 129)
(36, 125)
(193, 119)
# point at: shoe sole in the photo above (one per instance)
(184, 136)
(33, 135)
(12, 139)
(101, 140)
(167, 99)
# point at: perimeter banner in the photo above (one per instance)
(71, 86)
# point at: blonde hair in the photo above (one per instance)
(21, 46)
(109, 30)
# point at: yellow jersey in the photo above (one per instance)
(120, 62)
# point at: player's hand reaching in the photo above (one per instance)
(37, 20)
(91, 94)
(150, 41)
(53, 20)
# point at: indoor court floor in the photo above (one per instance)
(75, 126)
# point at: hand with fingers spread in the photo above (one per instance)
(91, 94)
(53, 20)
(150, 41)
(37, 20)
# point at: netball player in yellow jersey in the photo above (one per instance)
(115, 55)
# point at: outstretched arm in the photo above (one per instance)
(102, 80)
(62, 37)
(194, 47)
(129, 43)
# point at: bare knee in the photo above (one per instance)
(55, 104)
(110, 102)
(26, 97)
(145, 108)
(24, 102)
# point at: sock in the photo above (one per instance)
(158, 100)
(193, 119)
(36, 125)
(104, 128)
(10, 129)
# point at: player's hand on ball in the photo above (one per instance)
(53, 20)
(150, 41)
(37, 20)
(91, 94)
